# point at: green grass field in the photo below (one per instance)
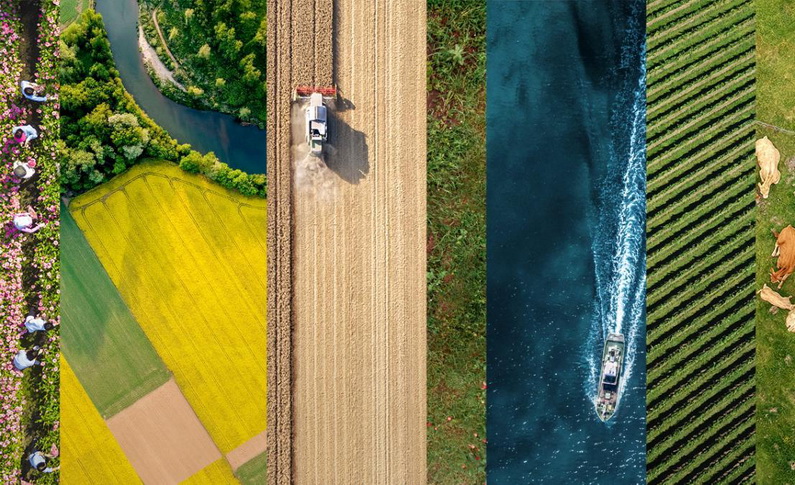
(776, 62)
(700, 241)
(106, 347)
(71, 9)
(251, 472)
(775, 345)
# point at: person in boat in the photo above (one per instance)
(24, 134)
(41, 462)
(33, 91)
(24, 221)
(24, 170)
(28, 358)
(37, 324)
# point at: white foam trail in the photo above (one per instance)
(621, 293)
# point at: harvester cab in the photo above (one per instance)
(316, 115)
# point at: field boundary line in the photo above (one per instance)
(774, 127)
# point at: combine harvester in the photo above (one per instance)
(316, 114)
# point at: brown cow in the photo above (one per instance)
(785, 251)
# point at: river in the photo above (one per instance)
(239, 146)
(566, 238)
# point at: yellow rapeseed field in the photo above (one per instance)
(219, 473)
(188, 257)
(89, 452)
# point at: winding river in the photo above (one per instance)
(239, 146)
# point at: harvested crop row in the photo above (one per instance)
(347, 264)
(300, 40)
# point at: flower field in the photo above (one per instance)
(29, 416)
(218, 472)
(158, 233)
(90, 452)
(100, 328)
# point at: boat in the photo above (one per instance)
(610, 376)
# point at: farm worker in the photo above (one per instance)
(24, 170)
(23, 221)
(38, 461)
(27, 358)
(24, 134)
(33, 92)
(36, 324)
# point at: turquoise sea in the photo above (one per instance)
(566, 245)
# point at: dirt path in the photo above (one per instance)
(247, 451)
(358, 249)
(163, 39)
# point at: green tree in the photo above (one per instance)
(204, 52)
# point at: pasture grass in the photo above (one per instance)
(102, 340)
(775, 57)
(254, 471)
(456, 246)
(89, 451)
(775, 60)
(218, 473)
(189, 259)
(775, 352)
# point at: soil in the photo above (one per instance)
(162, 437)
(247, 451)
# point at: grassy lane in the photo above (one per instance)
(776, 62)
(89, 452)
(456, 241)
(163, 236)
(107, 349)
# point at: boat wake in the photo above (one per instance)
(619, 245)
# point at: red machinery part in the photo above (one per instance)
(324, 90)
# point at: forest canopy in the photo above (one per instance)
(220, 48)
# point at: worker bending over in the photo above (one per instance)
(33, 92)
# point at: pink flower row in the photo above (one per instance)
(40, 258)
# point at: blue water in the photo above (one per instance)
(566, 247)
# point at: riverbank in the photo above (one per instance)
(159, 72)
(226, 75)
